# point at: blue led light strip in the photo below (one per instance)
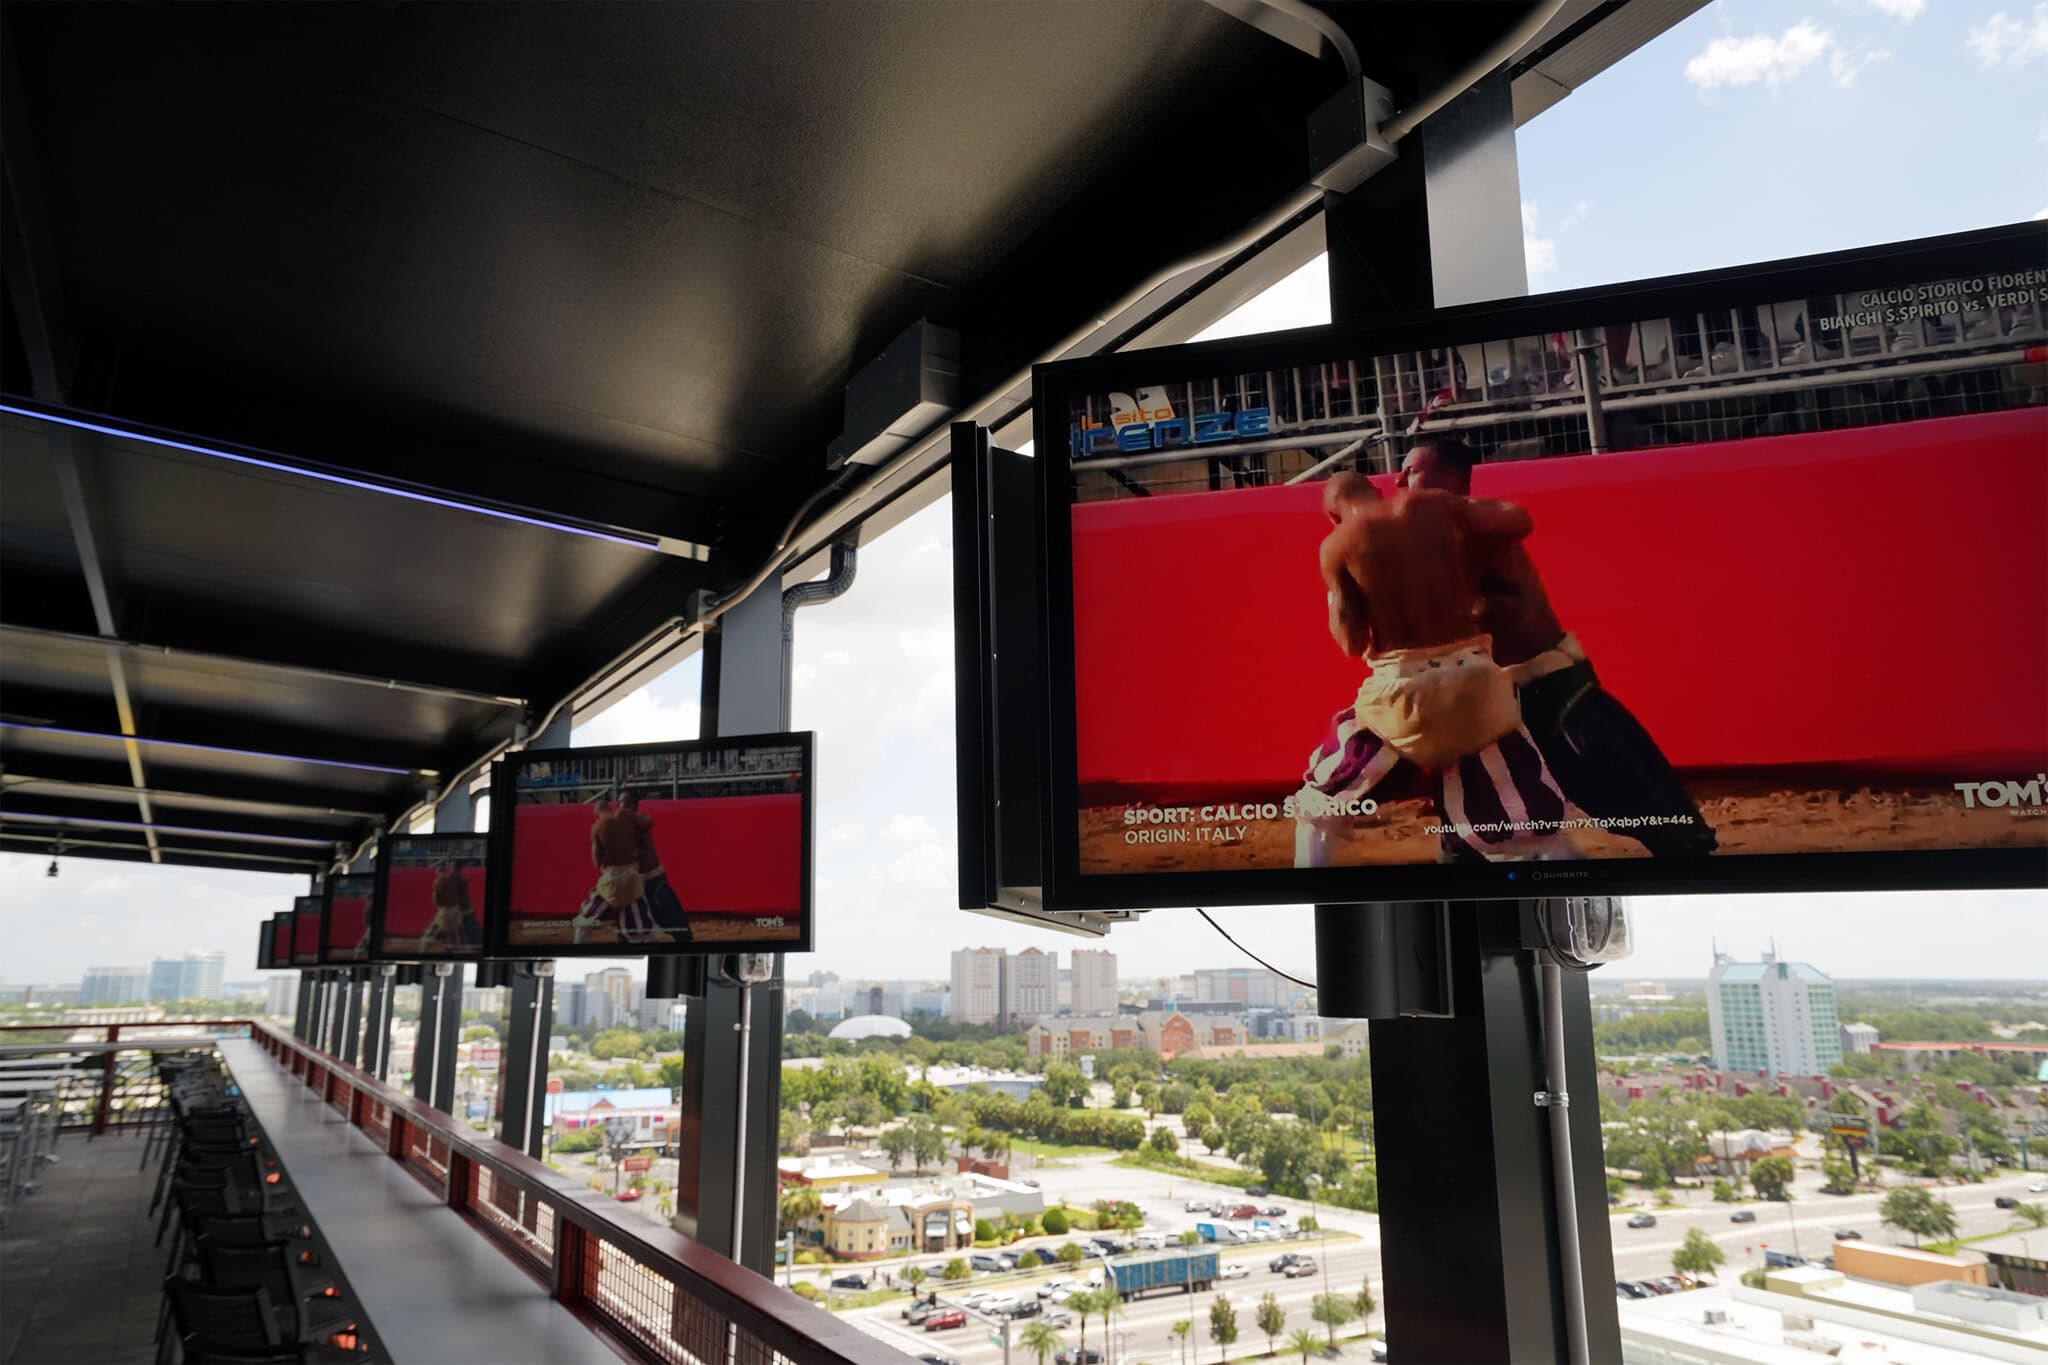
(209, 749)
(322, 476)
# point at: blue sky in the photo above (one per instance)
(1750, 131)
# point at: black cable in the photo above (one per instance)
(1249, 953)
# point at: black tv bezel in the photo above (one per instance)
(315, 907)
(498, 879)
(2021, 246)
(265, 949)
(330, 957)
(380, 952)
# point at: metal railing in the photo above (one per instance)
(127, 1093)
(654, 1294)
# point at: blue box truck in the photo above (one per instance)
(1187, 1271)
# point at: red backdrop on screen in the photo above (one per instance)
(305, 934)
(409, 899)
(281, 943)
(346, 917)
(1871, 599)
(724, 855)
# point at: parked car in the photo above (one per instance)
(1274, 1211)
(1283, 1260)
(1848, 1235)
(1671, 1284)
(916, 1314)
(2038, 1187)
(1234, 1271)
(1303, 1265)
(1379, 1350)
(1151, 1241)
(945, 1319)
(628, 1196)
(1000, 1305)
(1058, 1317)
(1781, 1260)
(848, 1282)
(1195, 1206)
(934, 1358)
(985, 1260)
(1629, 1289)
(1024, 1308)
(1257, 1191)
(1080, 1356)
(1110, 1246)
(1052, 1287)
(1742, 1216)
(1032, 1183)
(1643, 1220)
(2005, 1201)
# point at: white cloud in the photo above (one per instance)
(1539, 253)
(846, 834)
(909, 829)
(2003, 40)
(1845, 68)
(1759, 57)
(1905, 10)
(1581, 211)
(639, 718)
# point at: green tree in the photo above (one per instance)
(1303, 1342)
(1041, 1340)
(913, 1276)
(1029, 1260)
(1915, 1211)
(1056, 1222)
(1771, 1176)
(1222, 1325)
(927, 1144)
(984, 1231)
(2032, 1215)
(1196, 1117)
(1838, 1178)
(1724, 1193)
(798, 1205)
(1163, 1142)
(670, 1074)
(1272, 1319)
(898, 1142)
(1064, 1085)
(1070, 1255)
(1189, 1237)
(1698, 1255)
(1212, 1139)
(478, 1034)
(1363, 1300)
(1181, 1328)
(617, 1042)
(1333, 1311)
(956, 1269)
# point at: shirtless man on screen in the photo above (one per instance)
(1403, 579)
(620, 895)
(1602, 757)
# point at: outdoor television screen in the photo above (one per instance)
(430, 897)
(306, 916)
(279, 928)
(264, 961)
(345, 934)
(669, 848)
(1728, 581)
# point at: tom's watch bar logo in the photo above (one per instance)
(1997, 794)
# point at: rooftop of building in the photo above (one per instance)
(2031, 1245)
(1757, 1325)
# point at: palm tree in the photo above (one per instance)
(1082, 1302)
(1181, 1330)
(2033, 1215)
(1304, 1343)
(1042, 1339)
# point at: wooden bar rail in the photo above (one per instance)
(652, 1293)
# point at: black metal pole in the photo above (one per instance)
(530, 1013)
(433, 1054)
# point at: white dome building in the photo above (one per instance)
(870, 1026)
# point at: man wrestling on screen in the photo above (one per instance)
(1403, 580)
(1603, 758)
(620, 895)
(454, 924)
(665, 907)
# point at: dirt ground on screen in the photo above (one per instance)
(1749, 817)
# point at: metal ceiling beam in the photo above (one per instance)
(235, 661)
(67, 808)
(30, 279)
(15, 783)
(282, 797)
(23, 840)
(66, 822)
